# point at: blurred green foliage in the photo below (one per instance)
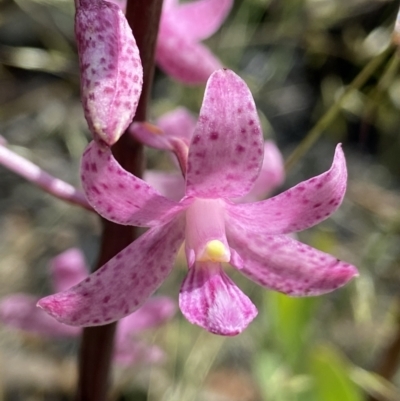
(299, 57)
(331, 376)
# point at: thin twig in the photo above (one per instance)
(323, 123)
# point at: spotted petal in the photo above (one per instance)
(110, 67)
(283, 264)
(272, 174)
(210, 299)
(123, 284)
(202, 18)
(68, 269)
(225, 155)
(20, 311)
(298, 208)
(118, 195)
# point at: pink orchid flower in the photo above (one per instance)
(110, 68)
(173, 132)
(225, 157)
(179, 52)
(67, 269)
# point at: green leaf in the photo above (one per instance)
(290, 319)
(332, 376)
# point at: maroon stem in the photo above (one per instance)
(97, 342)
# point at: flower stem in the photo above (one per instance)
(324, 122)
(97, 342)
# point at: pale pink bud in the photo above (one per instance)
(110, 66)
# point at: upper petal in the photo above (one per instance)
(281, 263)
(20, 311)
(118, 195)
(298, 208)
(210, 299)
(110, 67)
(225, 155)
(123, 284)
(68, 269)
(176, 124)
(200, 19)
(183, 59)
(272, 174)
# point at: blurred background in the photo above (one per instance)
(304, 60)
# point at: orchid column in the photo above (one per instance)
(143, 17)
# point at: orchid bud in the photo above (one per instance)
(110, 67)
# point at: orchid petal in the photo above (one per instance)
(272, 174)
(178, 123)
(225, 155)
(298, 208)
(210, 299)
(110, 66)
(153, 313)
(168, 4)
(123, 284)
(150, 135)
(201, 19)
(184, 60)
(283, 264)
(20, 311)
(119, 196)
(68, 269)
(170, 185)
